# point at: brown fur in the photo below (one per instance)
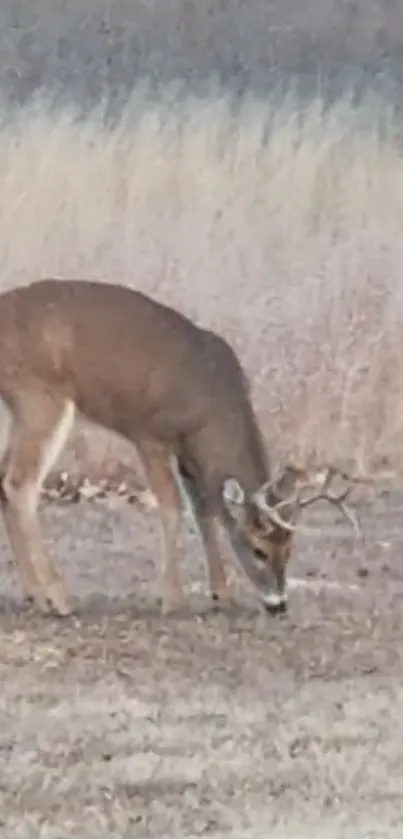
(142, 369)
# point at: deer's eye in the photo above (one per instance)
(260, 555)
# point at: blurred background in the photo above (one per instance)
(240, 160)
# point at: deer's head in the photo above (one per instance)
(261, 526)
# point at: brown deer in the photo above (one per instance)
(178, 392)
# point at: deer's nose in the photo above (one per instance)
(275, 603)
(273, 610)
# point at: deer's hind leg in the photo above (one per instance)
(41, 427)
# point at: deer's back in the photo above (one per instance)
(127, 361)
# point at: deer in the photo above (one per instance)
(178, 392)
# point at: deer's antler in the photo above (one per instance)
(338, 500)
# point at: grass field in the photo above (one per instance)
(280, 227)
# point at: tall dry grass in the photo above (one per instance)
(280, 227)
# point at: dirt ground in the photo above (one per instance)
(119, 723)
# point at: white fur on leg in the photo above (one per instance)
(44, 582)
(56, 442)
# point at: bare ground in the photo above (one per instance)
(119, 723)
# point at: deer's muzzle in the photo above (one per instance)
(275, 603)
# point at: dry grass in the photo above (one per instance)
(281, 228)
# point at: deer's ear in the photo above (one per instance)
(232, 492)
(234, 499)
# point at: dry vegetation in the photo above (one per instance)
(281, 227)
(269, 215)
